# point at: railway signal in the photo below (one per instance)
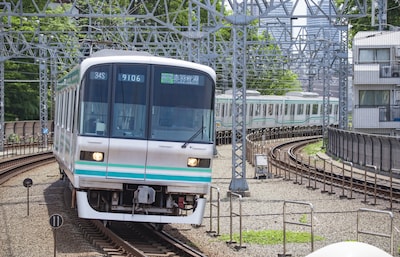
(27, 183)
(56, 221)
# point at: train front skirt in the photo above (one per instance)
(85, 211)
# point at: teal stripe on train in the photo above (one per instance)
(129, 166)
(152, 172)
(113, 174)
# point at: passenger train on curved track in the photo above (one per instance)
(134, 134)
(272, 111)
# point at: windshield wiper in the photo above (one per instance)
(193, 137)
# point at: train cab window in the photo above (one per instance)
(315, 109)
(129, 108)
(182, 105)
(95, 99)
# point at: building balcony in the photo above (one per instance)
(377, 73)
(381, 117)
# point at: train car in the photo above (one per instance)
(134, 135)
(270, 111)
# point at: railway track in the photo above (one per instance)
(13, 166)
(119, 239)
(288, 163)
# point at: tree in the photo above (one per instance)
(364, 23)
(22, 98)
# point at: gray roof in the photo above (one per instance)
(377, 38)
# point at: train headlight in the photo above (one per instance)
(92, 156)
(193, 162)
(98, 156)
(198, 162)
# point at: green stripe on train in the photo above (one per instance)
(141, 176)
(130, 166)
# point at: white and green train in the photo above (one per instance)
(272, 111)
(134, 135)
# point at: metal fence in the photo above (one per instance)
(364, 149)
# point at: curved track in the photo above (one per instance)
(288, 162)
(14, 166)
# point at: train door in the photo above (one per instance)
(307, 115)
(292, 112)
(128, 123)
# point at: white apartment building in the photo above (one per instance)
(376, 82)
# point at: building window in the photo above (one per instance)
(374, 55)
(374, 98)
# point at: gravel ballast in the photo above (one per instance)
(334, 219)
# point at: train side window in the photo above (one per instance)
(59, 104)
(286, 109)
(223, 106)
(330, 109)
(251, 110)
(277, 109)
(270, 109)
(63, 109)
(308, 107)
(264, 112)
(315, 109)
(258, 109)
(300, 109)
(68, 110)
(292, 109)
(217, 110)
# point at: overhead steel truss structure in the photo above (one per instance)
(194, 30)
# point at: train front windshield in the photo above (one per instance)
(147, 102)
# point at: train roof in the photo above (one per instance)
(114, 52)
(297, 95)
(127, 56)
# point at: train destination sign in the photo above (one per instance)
(182, 79)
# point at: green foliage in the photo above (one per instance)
(313, 149)
(22, 98)
(13, 138)
(271, 237)
(364, 23)
(303, 219)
